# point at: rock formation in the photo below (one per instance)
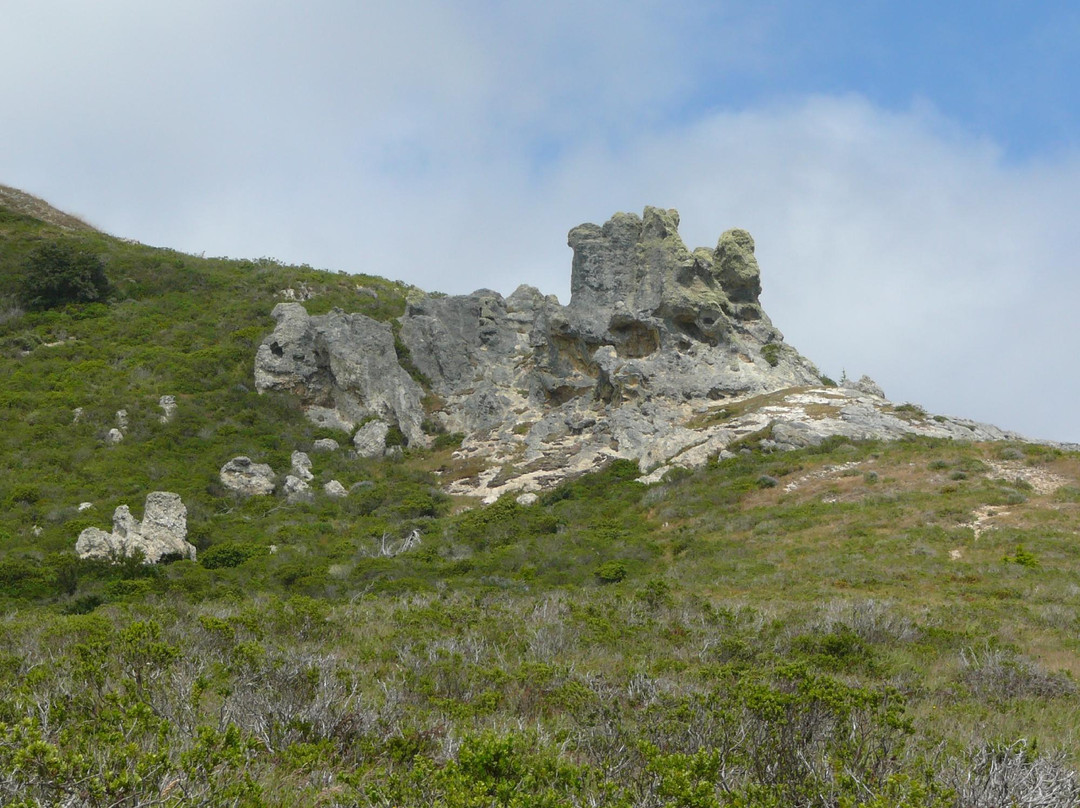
(663, 355)
(343, 365)
(335, 489)
(370, 439)
(248, 478)
(297, 490)
(162, 532)
(301, 466)
(168, 408)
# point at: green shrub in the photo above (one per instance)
(1022, 557)
(228, 554)
(57, 273)
(610, 572)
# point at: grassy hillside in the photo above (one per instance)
(853, 625)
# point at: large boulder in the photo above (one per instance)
(370, 439)
(162, 532)
(245, 477)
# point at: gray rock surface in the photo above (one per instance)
(326, 445)
(162, 532)
(663, 355)
(370, 439)
(345, 364)
(868, 386)
(335, 489)
(245, 477)
(114, 436)
(301, 466)
(168, 408)
(297, 490)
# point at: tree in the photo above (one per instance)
(57, 273)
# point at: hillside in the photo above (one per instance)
(797, 618)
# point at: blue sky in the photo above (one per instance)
(910, 171)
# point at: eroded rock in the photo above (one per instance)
(245, 477)
(663, 355)
(370, 439)
(301, 466)
(162, 532)
(345, 364)
(168, 408)
(297, 490)
(335, 489)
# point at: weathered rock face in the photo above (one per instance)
(297, 490)
(247, 478)
(168, 408)
(663, 355)
(653, 333)
(370, 439)
(301, 466)
(344, 364)
(162, 532)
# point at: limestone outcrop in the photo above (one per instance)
(161, 533)
(663, 355)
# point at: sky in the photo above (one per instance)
(910, 171)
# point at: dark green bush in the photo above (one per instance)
(228, 554)
(610, 572)
(57, 273)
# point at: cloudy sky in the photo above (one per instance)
(909, 170)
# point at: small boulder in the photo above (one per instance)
(297, 490)
(301, 466)
(335, 489)
(114, 436)
(326, 445)
(245, 477)
(370, 439)
(85, 506)
(122, 419)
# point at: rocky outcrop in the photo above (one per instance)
(161, 533)
(663, 355)
(245, 477)
(168, 408)
(345, 365)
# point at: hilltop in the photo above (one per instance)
(706, 575)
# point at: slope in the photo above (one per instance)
(850, 623)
